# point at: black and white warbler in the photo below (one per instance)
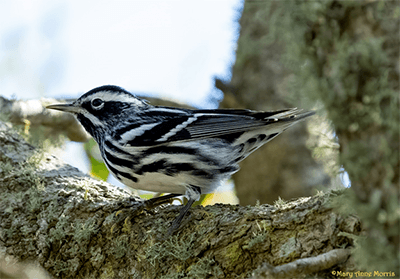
(173, 150)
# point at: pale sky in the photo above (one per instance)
(65, 48)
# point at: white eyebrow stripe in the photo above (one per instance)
(107, 97)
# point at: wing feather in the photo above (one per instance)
(200, 124)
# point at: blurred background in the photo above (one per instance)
(164, 48)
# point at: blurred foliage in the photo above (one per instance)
(346, 55)
(325, 148)
(97, 167)
(37, 135)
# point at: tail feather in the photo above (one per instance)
(293, 114)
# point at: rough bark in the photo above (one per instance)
(52, 214)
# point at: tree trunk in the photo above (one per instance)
(261, 81)
(345, 56)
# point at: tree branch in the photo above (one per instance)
(34, 113)
(305, 266)
(67, 222)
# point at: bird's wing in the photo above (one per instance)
(169, 125)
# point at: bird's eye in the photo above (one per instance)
(97, 103)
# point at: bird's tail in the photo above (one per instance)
(291, 115)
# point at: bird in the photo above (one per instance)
(173, 150)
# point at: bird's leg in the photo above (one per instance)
(193, 193)
(177, 222)
(148, 204)
(154, 202)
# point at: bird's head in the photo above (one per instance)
(101, 107)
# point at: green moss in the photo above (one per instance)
(18, 176)
(260, 235)
(205, 267)
(52, 211)
(257, 239)
(279, 203)
(233, 252)
(288, 248)
(120, 246)
(10, 231)
(26, 174)
(108, 271)
(97, 257)
(5, 168)
(35, 197)
(84, 230)
(60, 266)
(176, 275)
(176, 246)
(36, 158)
(61, 229)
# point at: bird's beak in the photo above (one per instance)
(65, 108)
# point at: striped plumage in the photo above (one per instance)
(172, 150)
